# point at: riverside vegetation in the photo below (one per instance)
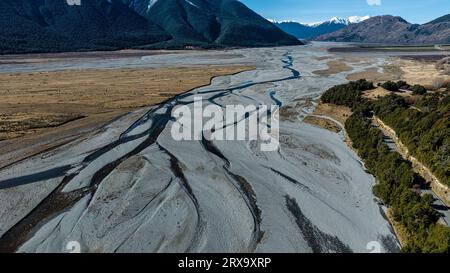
(423, 124)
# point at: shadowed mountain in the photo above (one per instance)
(393, 30)
(442, 19)
(54, 25)
(211, 23)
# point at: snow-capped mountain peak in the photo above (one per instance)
(357, 19)
(338, 20)
(311, 30)
(335, 20)
(344, 21)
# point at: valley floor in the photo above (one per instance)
(130, 187)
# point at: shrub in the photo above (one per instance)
(403, 85)
(347, 94)
(391, 86)
(419, 90)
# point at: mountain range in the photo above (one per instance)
(389, 29)
(82, 25)
(309, 31)
(61, 25)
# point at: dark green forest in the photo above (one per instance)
(54, 26)
(423, 126)
(347, 94)
(428, 132)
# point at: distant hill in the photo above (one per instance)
(443, 19)
(393, 30)
(54, 25)
(310, 31)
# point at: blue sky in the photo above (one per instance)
(414, 11)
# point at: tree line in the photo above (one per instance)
(423, 126)
(396, 180)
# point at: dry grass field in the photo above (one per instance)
(412, 71)
(33, 101)
(388, 73)
(66, 56)
(337, 112)
(42, 111)
(323, 123)
(334, 67)
(380, 92)
(423, 73)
